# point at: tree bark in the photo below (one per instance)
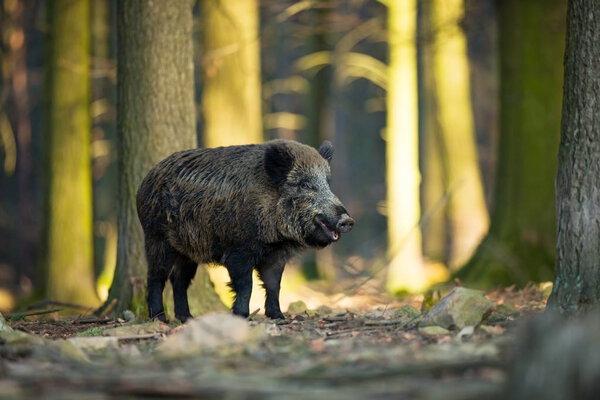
(231, 101)
(156, 117)
(68, 236)
(577, 282)
(519, 246)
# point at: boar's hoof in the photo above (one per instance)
(183, 318)
(275, 315)
(243, 314)
(160, 317)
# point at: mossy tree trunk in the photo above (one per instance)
(68, 240)
(577, 282)
(156, 117)
(406, 270)
(231, 100)
(519, 246)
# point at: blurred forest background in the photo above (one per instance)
(445, 115)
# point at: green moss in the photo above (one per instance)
(94, 331)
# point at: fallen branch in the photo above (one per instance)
(384, 322)
(140, 336)
(50, 302)
(19, 315)
(93, 320)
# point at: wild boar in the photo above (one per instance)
(249, 207)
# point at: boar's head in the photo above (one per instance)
(307, 211)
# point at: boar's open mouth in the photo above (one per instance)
(331, 233)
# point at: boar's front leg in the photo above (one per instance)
(181, 277)
(240, 268)
(270, 274)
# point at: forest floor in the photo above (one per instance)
(374, 352)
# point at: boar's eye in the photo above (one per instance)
(306, 185)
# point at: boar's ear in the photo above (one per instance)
(278, 163)
(326, 150)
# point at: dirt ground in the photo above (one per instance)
(375, 352)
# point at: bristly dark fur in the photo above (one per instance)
(245, 207)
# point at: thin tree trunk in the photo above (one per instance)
(231, 101)
(68, 230)
(577, 282)
(317, 108)
(406, 270)
(156, 117)
(27, 229)
(467, 212)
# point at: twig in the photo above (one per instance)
(350, 330)
(141, 336)
(22, 314)
(50, 302)
(92, 320)
(104, 311)
(384, 322)
(336, 319)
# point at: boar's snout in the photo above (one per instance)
(329, 228)
(345, 223)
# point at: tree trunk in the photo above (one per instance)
(156, 117)
(519, 246)
(317, 110)
(434, 225)
(555, 358)
(577, 282)
(466, 208)
(68, 230)
(231, 101)
(406, 270)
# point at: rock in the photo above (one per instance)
(130, 352)
(94, 343)
(297, 307)
(461, 307)
(128, 316)
(137, 329)
(18, 338)
(4, 327)
(465, 332)
(406, 311)
(433, 330)
(507, 310)
(209, 332)
(324, 310)
(59, 350)
(311, 313)
(493, 330)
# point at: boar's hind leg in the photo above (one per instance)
(240, 272)
(181, 277)
(271, 277)
(160, 256)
